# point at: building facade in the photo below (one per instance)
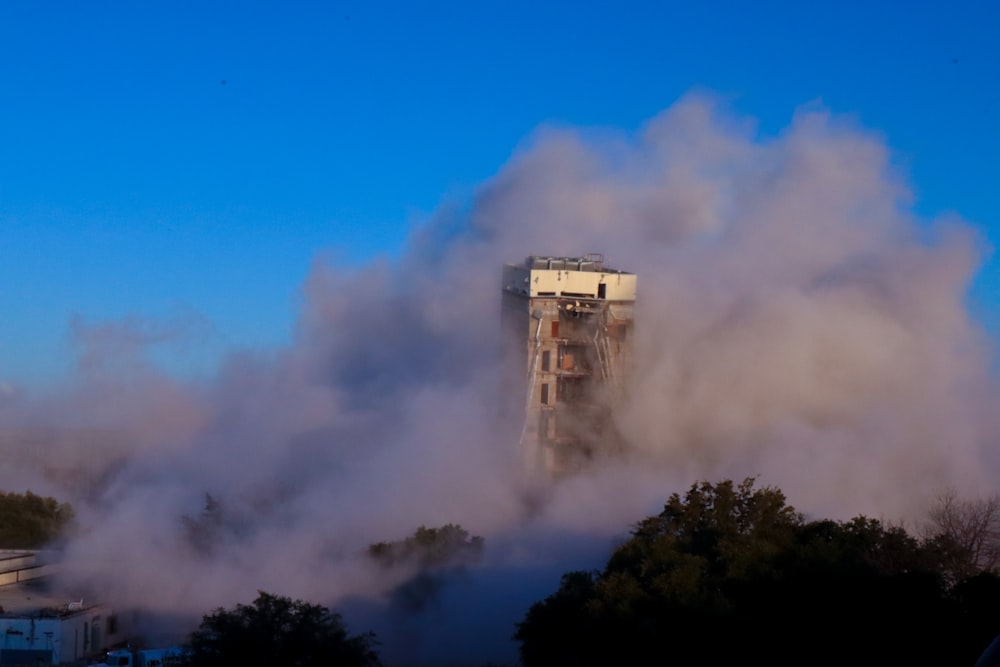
(39, 626)
(568, 343)
(45, 631)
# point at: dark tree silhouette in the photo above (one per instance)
(449, 545)
(277, 631)
(431, 555)
(967, 532)
(731, 574)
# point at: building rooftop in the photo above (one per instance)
(25, 590)
(584, 277)
(35, 599)
(590, 262)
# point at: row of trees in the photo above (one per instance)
(726, 573)
(730, 573)
(30, 521)
(277, 630)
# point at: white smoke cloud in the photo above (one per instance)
(795, 321)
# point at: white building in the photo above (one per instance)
(41, 627)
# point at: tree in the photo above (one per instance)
(433, 553)
(278, 631)
(730, 573)
(967, 534)
(679, 576)
(449, 545)
(213, 528)
(30, 521)
(202, 532)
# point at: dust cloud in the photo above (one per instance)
(796, 321)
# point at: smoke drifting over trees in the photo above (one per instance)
(795, 322)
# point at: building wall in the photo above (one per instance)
(569, 339)
(67, 638)
(617, 285)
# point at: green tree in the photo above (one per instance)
(30, 521)
(729, 573)
(278, 631)
(449, 545)
(434, 553)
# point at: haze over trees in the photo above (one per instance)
(449, 545)
(213, 527)
(730, 573)
(432, 554)
(726, 573)
(30, 521)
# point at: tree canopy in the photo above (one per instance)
(731, 572)
(432, 554)
(29, 521)
(278, 631)
(449, 545)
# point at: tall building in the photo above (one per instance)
(567, 330)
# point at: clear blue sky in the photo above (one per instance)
(190, 159)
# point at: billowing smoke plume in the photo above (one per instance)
(795, 321)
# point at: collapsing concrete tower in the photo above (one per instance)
(567, 327)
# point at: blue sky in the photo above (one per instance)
(186, 161)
